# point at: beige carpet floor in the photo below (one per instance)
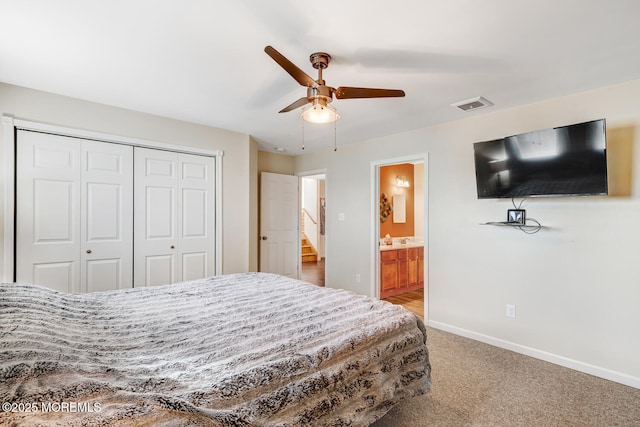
(475, 384)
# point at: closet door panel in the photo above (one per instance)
(107, 216)
(160, 269)
(48, 210)
(196, 220)
(174, 217)
(155, 217)
(53, 203)
(104, 275)
(74, 208)
(82, 204)
(194, 265)
(194, 213)
(61, 276)
(160, 212)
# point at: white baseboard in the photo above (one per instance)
(542, 355)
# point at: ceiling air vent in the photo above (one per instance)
(473, 104)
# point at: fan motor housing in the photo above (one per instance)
(321, 93)
(320, 60)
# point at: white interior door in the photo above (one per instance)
(73, 213)
(106, 217)
(174, 217)
(279, 224)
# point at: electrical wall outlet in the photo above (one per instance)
(511, 311)
(357, 278)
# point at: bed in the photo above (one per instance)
(249, 349)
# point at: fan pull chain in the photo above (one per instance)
(335, 147)
(335, 132)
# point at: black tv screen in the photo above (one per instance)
(563, 161)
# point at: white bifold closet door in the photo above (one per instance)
(174, 217)
(94, 216)
(74, 204)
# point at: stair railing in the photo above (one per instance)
(306, 213)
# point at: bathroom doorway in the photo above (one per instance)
(400, 238)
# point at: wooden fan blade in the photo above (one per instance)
(299, 103)
(291, 68)
(345, 92)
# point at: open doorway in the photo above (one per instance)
(400, 240)
(312, 228)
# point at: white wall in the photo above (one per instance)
(575, 284)
(239, 198)
(418, 199)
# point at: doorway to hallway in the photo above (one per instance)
(313, 272)
(312, 228)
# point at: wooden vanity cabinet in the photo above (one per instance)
(401, 270)
(388, 272)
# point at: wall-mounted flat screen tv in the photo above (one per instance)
(563, 161)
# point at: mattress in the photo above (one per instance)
(250, 349)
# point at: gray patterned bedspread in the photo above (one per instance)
(236, 350)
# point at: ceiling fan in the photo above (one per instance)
(320, 95)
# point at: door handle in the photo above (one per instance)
(264, 237)
(173, 247)
(88, 251)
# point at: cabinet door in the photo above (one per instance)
(413, 267)
(388, 271)
(403, 269)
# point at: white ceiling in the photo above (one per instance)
(203, 61)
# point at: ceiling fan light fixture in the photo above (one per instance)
(318, 113)
(319, 95)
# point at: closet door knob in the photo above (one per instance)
(88, 251)
(173, 247)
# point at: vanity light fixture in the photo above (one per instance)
(402, 181)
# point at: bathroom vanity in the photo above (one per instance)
(401, 268)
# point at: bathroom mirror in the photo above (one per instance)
(399, 208)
